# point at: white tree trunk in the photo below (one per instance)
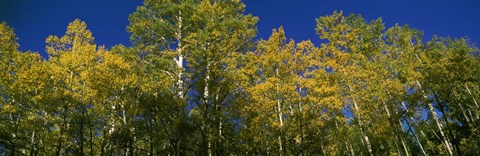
(437, 121)
(401, 127)
(469, 92)
(279, 109)
(205, 97)
(465, 115)
(440, 128)
(365, 137)
(179, 60)
(415, 136)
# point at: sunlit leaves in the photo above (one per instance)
(195, 83)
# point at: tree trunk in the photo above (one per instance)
(365, 137)
(474, 101)
(32, 144)
(150, 131)
(469, 92)
(437, 121)
(91, 140)
(351, 149)
(440, 128)
(415, 136)
(220, 124)
(280, 116)
(179, 61)
(449, 130)
(395, 127)
(465, 115)
(405, 148)
(81, 133)
(300, 121)
(413, 132)
(206, 95)
(63, 127)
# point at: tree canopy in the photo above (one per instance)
(195, 82)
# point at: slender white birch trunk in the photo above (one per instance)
(401, 127)
(179, 60)
(474, 101)
(465, 115)
(435, 117)
(469, 92)
(415, 135)
(206, 96)
(437, 121)
(279, 109)
(360, 122)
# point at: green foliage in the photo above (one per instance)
(195, 83)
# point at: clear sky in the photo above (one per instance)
(34, 20)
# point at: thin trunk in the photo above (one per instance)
(280, 115)
(179, 61)
(124, 111)
(129, 149)
(302, 134)
(434, 133)
(40, 142)
(32, 144)
(465, 115)
(444, 117)
(111, 130)
(437, 121)
(365, 137)
(405, 148)
(220, 124)
(323, 149)
(14, 136)
(59, 143)
(204, 137)
(415, 137)
(474, 100)
(471, 114)
(398, 147)
(91, 140)
(469, 92)
(150, 139)
(440, 128)
(63, 127)
(206, 102)
(351, 149)
(389, 117)
(209, 150)
(337, 133)
(268, 148)
(81, 134)
(395, 127)
(134, 141)
(435, 117)
(413, 132)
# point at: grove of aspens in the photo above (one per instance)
(197, 81)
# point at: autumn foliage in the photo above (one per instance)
(196, 83)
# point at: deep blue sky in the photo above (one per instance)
(34, 20)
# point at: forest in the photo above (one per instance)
(196, 81)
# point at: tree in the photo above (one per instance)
(71, 56)
(202, 33)
(196, 83)
(271, 88)
(18, 120)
